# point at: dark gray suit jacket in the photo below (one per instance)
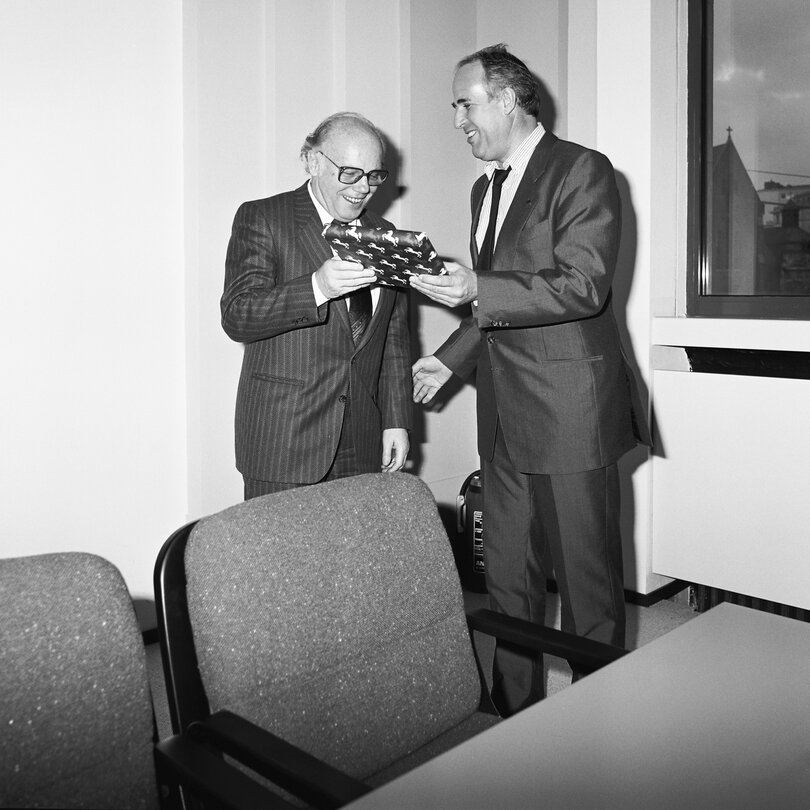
(300, 366)
(543, 336)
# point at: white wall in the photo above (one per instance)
(438, 35)
(251, 99)
(132, 129)
(401, 79)
(624, 119)
(144, 125)
(92, 415)
(228, 142)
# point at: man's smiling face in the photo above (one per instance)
(483, 119)
(349, 146)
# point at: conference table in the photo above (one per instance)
(714, 714)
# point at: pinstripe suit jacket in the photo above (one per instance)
(300, 366)
(550, 364)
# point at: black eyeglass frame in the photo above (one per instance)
(376, 177)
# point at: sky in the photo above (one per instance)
(762, 86)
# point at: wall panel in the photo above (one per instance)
(438, 172)
(92, 418)
(730, 506)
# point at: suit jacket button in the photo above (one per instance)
(342, 398)
(490, 339)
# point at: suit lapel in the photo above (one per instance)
(524, 202)
(314, 248)
(479, 190)
(308, 229)
(525, 199)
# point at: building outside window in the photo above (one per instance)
(749, 150)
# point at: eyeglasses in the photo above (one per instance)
(351, 175)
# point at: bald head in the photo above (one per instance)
(343, 125)
(343, 141)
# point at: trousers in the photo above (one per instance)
(569, 523)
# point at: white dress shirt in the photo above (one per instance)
(518, 161)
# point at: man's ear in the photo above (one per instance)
(311, 162)
(508, 100)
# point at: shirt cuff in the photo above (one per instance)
(320, 298)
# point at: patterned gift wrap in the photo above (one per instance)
(392, 254)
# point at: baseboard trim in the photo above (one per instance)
(658, 595)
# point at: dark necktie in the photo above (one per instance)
(485, 253)
(359, 303)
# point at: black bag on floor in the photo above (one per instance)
(469, 545)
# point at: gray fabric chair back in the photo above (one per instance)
(76, 721)
(332, 615)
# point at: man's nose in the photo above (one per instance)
(459, 118)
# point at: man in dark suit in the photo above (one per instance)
(557, 405)
(325, 389)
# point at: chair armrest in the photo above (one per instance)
(586, 653)
(286, 765)
(208, 777)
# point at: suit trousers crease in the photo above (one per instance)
(571, 521)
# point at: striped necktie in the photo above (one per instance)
(359, 303)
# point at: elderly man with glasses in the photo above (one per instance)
(325, 389)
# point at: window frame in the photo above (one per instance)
(699, 141)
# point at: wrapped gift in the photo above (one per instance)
(393, 255)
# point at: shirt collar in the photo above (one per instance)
(520, 156)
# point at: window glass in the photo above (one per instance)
(755, 127)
